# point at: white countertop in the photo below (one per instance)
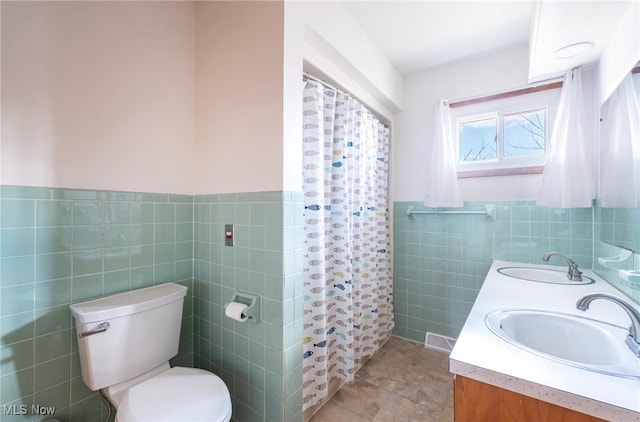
(481, 355)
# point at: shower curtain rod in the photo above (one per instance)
(328, 85)
(345, 92)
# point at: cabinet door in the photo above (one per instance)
(476, 401)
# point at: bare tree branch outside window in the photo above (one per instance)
(524, 134)
(478, 140)
(486, 151)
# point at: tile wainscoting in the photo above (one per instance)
(61, 246)
(441, 260)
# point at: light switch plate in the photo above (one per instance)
(228, 235)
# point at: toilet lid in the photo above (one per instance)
(178, 394)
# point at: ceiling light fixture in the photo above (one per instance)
(573, 50)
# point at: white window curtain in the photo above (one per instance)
(442, 180)
(620, 162)
(568, 180)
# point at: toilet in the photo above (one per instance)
(125, 343)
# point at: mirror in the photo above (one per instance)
(617, 230)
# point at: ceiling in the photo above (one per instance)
(561, 23)
(415, 35)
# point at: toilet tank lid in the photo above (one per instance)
(127, 303)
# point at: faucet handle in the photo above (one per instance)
(574, 274)
(632, 344)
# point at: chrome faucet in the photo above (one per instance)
(632, 339)
(574, 274)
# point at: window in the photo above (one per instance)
(504, 136)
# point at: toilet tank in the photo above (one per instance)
(143, 333)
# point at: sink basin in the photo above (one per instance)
(543, 275)
(572, 340)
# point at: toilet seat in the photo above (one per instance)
(178, 395)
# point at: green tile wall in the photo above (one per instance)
(617, 235)
(59, 246)
(440, 261)
(618, 226)
(261, 363)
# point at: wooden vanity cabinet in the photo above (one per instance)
(475, 401)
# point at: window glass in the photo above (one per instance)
(524, 133)
(478, 140)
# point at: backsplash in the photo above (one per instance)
(440, 261)
(60, 246)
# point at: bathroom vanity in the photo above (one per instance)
(499, 379)
(475, 400)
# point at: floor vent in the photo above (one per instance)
(439, 343)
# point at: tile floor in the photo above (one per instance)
(403, 382)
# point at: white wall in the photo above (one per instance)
(239, 98)
(336, 44)
(98, 95)
(184, 97)
(292, 98)
(487, 74)
(328, 41)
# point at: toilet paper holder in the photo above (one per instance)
(253, 304)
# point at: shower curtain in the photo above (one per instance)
(348, 311)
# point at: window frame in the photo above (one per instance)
(520, 103)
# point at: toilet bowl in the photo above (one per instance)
(178, 394)
(125, 342)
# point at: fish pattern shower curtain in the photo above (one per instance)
(348, 288)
